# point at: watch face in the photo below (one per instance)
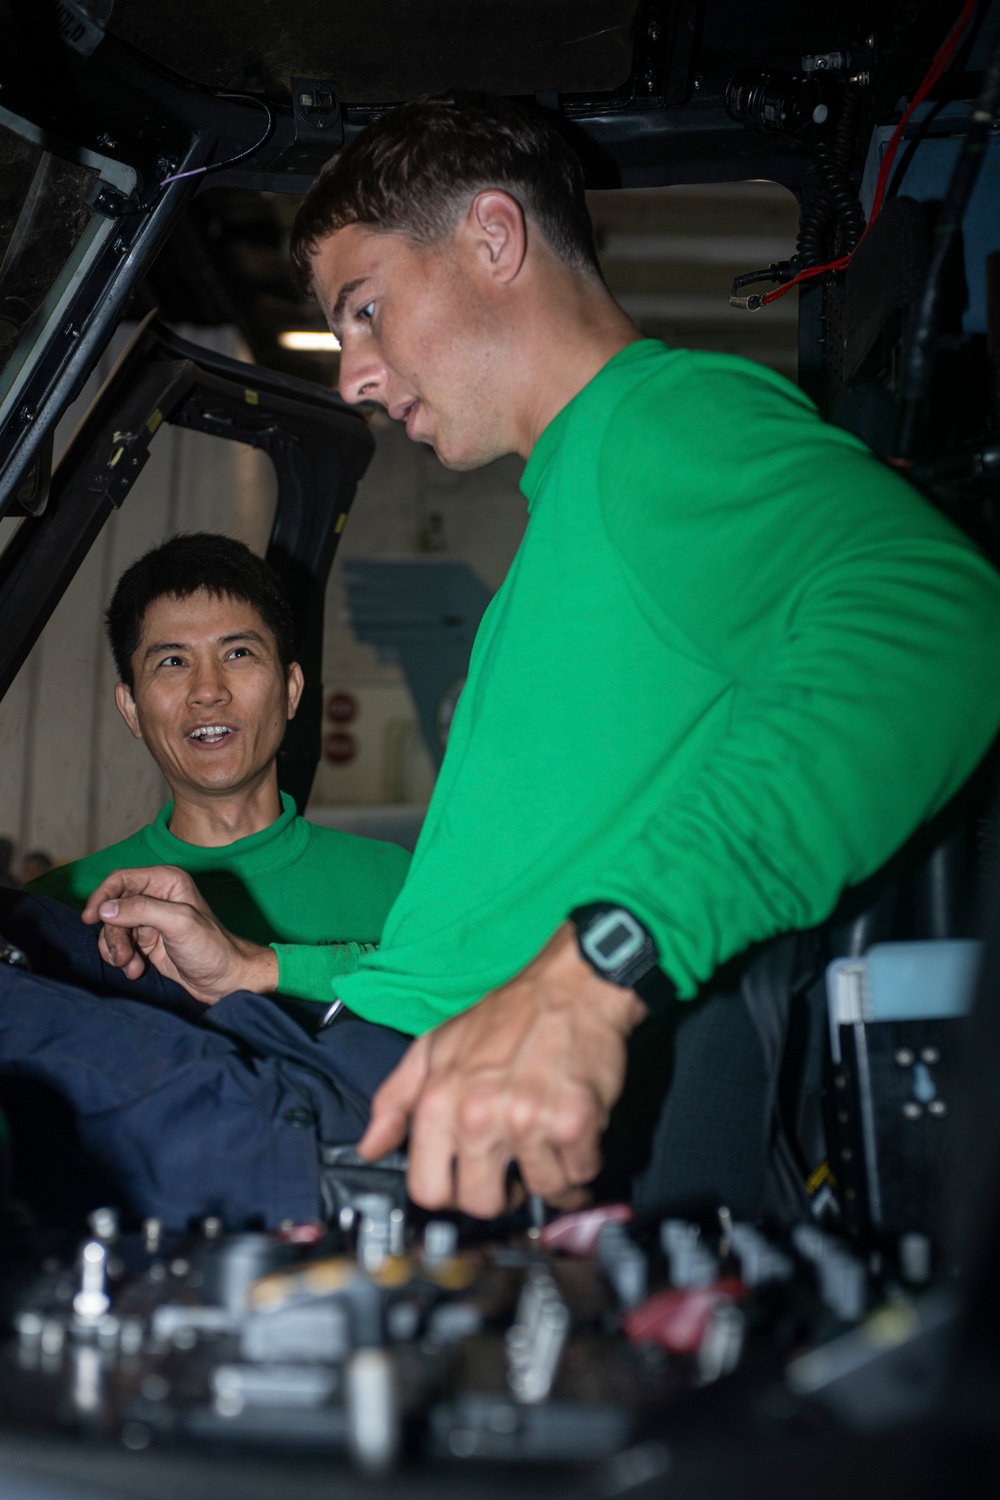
(613, 939)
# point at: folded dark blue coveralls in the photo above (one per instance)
(187, 1110)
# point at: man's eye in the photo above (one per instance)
(238, 651)
(367, 312)
(172, 661)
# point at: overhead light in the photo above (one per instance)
(310, 340)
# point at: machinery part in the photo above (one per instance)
(771, 101)
(623, 1263)
(918, 371)
(92, 1301)
(760, 1261)
(371, 1393)
(578, 1234)
(690, 1262)
(374, 1229)
(440, 1240)
(535, 1341)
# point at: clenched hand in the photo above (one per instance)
(527, 1075)
(157, 915)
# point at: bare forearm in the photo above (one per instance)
(256, 971)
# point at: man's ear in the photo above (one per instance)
(294, 684)
(496, 227)
(126, 707)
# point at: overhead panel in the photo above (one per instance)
(390, 51)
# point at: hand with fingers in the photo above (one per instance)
(158, 916)
(529, 1074)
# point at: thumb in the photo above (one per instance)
(394, 1103)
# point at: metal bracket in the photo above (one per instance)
(108, 201)
(317, 114)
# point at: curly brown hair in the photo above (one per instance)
(414, 170)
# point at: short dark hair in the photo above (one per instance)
(414, 170)
(180, 567)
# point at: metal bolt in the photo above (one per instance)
(650, 82)
(120, 246)
(930, 1055)
(938, 1108)
(27, 413)
(654, 31)
(697, 85)
(906, 1057)
(912, 1110)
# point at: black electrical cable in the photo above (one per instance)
(918, 372)
(942, 58)
(833, 223)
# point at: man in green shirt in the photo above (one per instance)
(189, 1110)
(734, 664)
(201, 636)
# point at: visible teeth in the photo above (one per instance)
(209, 731)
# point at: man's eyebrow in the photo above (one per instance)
(341, 302)
(223, 640)
(242, 635)
(159, 646)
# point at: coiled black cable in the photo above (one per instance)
(833, 223)
(845, 215)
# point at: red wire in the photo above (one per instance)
(943, 57)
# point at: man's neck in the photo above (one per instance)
(583, 330)
(213, 820)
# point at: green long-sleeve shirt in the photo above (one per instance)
(292, 883)
(735, 662)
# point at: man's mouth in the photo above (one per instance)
(210, 734)
(405, 412)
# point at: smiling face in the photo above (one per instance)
(210, 697)
(419, 334)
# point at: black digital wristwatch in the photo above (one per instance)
(620, 950)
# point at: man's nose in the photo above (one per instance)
(209, 686)
(362, 376)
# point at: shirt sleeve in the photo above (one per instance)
(311, 972)
(860, 633)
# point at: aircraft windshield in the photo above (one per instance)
(43, 217)
(49, 237)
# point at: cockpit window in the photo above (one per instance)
(43, 217)
(49, 236)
